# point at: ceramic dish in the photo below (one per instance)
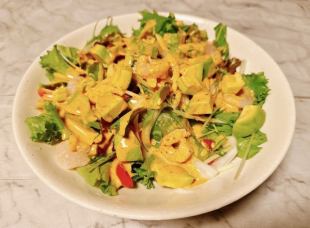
(162, 203)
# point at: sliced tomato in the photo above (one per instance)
(209, 143)
(124, 176)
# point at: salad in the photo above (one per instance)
(163, 105)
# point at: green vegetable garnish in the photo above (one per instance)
(222, 123)
(54, 61)
(258, 139)
(166, 122)
(108, 189)
(94, 125)
(220, 39)
(47, 127)
(97, 173)
(108, 30)
(143, 174)
(259, 84)
(163, 24)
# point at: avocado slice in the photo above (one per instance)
(60, 94)
(109, 106)
(102, 53)
(89, 175)
(171, 176)
(250, 120)
(200, 104)
(119, 76)
(78, 104)
(232, 83)
(92, 174)
(128, 149)
(83, 133)
(159, 97)
(190, 82)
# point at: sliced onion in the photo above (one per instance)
(242, 67)
(230, 165)
(245, 101)
(71, 86)
(205, 170)
(228, 157)
(70, 160)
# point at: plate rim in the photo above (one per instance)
(245, 190)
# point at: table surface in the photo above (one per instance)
(282, 28)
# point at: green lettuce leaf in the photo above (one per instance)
(243, 143)
(47, 127)
(163, 24)
(259, 84)
(224, 122)
(53, 60)
(70, 53)
(220, 39)
(106, 31)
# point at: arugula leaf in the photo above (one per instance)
(259, 84)
(163, 24)
(219, 129)
(106, 31)
(224, 125)
(109, 30)
(242, 144)
(46, 127)
(53, 60)
(143, 174)
(227, 117)
(220, 39)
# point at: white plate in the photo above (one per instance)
(163, 203)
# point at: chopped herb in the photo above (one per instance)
(143, 174)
